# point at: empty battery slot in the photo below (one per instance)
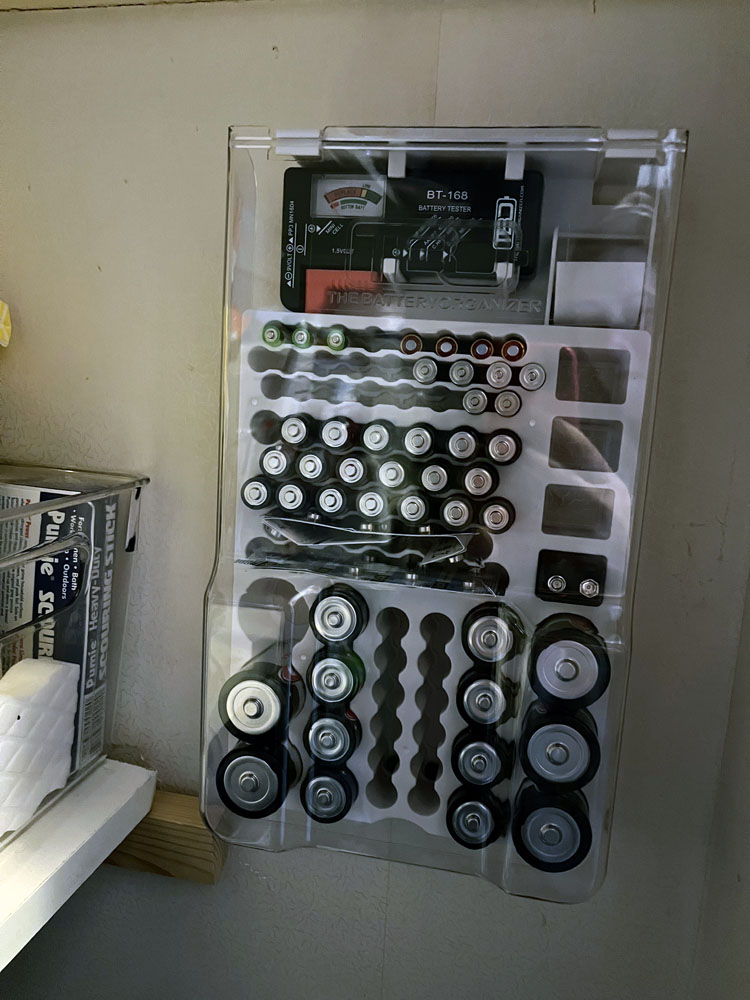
(366, 393)
(385, 725)
(593, 375)
(429, 735)
(578, 511)
(323, 364)
(274, 617)
(585, 444)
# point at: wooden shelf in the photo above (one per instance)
(45, 864)
(173, 840)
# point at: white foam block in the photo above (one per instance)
(599, 293)
(38, 700)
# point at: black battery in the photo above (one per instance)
(475, 817)
(559, 751)
(568, 666)
(327, 794)
(253, 779)
(552, 833)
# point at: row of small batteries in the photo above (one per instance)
(359, 466)
(497, 375)
(569, 669)
(444, 345)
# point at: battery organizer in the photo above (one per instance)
(440, 359)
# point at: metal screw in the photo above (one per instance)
(557, 584)
(478, 763)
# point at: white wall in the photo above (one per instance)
(111, 206)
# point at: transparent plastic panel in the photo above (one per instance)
(440, 359)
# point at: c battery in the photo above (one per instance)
(559, 751)
(253, 779)
(552, 833)
(568, 667)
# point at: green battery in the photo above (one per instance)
(336, 338)
(301, 336)
(273, 334)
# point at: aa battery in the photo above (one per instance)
(568, 667)
(336, 338)
(377, 437)
(330, 500)
(392, 474)
(481, 758)
(351, 470)
(504, 447)
(276, 461)
(446, 346)
(335, 676)
(296, 430)
(456, 512)
(559, 751)
(302, 336)
(290, 496)
(411, 343)
(371, 505)
(461, 373)
(498, 515)
(327, 793)
(418, 441)
(259, 700)
(492, 633)
(413, 508)
(462, 444)
(513, 349)
(483, 699)
(475, 401)
(331, 736)
(339, 614)
(434, 478)
(482, 348)
(425, 371)
(258, 492)
(274, 334)
(480, 480)
(475, 818)
(313, 465)
(552, 833)
(338, 433)
(253, 780)
(532, 377)
(499, 374)
(507, 403)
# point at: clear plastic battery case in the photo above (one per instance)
(440, 360)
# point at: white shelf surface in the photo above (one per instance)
(45, 864)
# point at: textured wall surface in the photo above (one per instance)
(111, 208)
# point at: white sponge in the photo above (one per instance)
(38, 700)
